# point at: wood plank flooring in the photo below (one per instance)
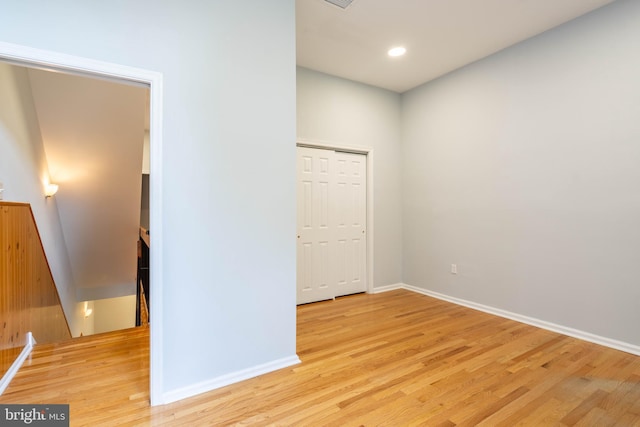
(393, 359)
(97, 375)
(7, 357)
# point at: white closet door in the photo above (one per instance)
(350, 226)
(331, 221)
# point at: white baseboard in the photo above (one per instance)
(15, 366)
(564, 330)
(224, 380)
(388, 288)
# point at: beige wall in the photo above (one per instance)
(112, 314)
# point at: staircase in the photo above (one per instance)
(96, 375)
(29, 301)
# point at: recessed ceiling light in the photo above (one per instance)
(340, 3)
(397, 51)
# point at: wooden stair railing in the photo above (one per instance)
(29, 300)
(143, 307)
(143, 285)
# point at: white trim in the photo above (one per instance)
(381, 289)
(227, 379)
(38, 58)
(156, 236)
(28, 56)
(367, 151)
(370, 228)
(15, 366)
(543, 324)
(357, 149)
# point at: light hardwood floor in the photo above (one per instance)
(395, 359)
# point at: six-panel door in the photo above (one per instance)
(331, 221)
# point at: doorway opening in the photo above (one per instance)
(52, 61)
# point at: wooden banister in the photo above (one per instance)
(144, 235)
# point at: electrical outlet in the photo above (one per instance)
(454, 269)
(1, 190)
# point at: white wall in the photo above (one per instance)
(341, 112)
(113, 314)
(228, 175)
(24, 173)
(524, 170)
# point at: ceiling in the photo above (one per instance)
(92, 132)
(439, 35)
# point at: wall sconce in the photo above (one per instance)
(50, 190)
(87, 310)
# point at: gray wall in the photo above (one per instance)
(524, 170)
(337, 111)
(228, 155)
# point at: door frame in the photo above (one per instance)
(49, 60)
(368, 152)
